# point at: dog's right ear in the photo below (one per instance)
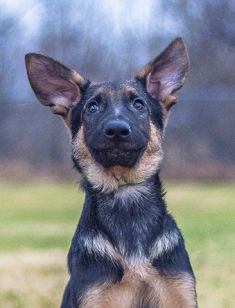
(54, 84)
(166, 73)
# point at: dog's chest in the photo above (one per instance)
(134, 232)
(142, 287)
(134, 290)
(131, 220)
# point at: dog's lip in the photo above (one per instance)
(118, 150)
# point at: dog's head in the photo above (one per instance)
(116, 127)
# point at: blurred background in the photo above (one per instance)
(39, 199)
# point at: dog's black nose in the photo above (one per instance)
(117, 129)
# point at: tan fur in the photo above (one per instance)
(100, 245)
(110, 91)
(122, 294)
(129, 89)
(169, 102)
(78, 79)
(59, 109)
(106, 91)
(67, 119)
(65, 113)
(142, 284)
(177, 292)
(146, 70)
(111, 179)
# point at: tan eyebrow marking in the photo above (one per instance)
(129, 89)
(105, 91)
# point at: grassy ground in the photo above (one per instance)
(37, 222)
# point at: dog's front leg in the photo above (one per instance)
(90, 276)
(68, 297)
(175, 280)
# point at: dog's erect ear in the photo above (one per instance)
(166, 73)
(54, 84)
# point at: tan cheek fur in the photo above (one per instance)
(166, 105)
(143, 285)
(112, 178)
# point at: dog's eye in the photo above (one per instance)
(138, 104)
(93, 106)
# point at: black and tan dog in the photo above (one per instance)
(127, 250)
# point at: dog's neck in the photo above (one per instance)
(126, 191)
(130, 218)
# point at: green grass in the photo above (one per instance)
(37, 223)
(38, 216)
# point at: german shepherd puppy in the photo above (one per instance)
(127, 251)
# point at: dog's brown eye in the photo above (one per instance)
(138, 104)
(93, 106)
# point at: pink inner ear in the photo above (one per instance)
(154, 87)
(61, 92)
(61, 101)
(53, 83)
(161, 83)
(166, 73)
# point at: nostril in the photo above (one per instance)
(109, 132)
(125, 132)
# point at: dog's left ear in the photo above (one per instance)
(166, 73)
(54, 84)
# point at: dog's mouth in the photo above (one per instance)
(110, 157)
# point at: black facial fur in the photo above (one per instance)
(125, 104)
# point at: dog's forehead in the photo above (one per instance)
(114, 89)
